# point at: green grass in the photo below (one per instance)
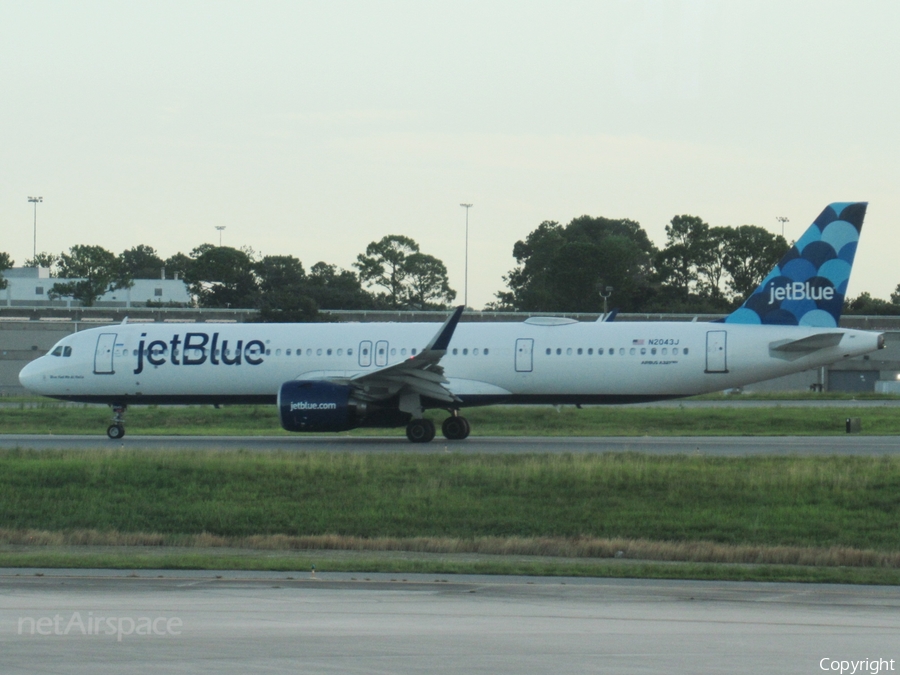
(53, 418)
(835, 517)
(795, 501)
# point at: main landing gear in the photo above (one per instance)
(117, 429)
(454, 428)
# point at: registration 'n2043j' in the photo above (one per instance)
(672, 342)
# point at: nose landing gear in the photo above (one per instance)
(117, 429)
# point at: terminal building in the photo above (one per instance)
(30, 287)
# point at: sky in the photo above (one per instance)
(314, 128)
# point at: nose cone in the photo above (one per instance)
(30, 376)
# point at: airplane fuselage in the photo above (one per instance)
(485, 363)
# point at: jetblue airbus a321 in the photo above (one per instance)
(335, 377)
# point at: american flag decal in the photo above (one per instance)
(637, 342)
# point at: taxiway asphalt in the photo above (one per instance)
(254, 622)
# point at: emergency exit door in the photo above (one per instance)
(524, 355)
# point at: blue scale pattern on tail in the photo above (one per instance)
(808, 286)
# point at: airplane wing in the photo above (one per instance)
(422, 374)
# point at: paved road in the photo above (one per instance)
(707, 445)
(266, 622)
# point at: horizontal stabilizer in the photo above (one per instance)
(808, 344)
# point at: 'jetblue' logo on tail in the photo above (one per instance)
(808, 286)
(799, 290)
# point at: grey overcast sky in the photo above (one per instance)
(313, 128)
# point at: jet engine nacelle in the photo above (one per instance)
(314, 405)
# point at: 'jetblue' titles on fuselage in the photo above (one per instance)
(196, 352)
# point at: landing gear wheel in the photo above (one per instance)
(117, 429)
(420, 431)
(455, 428)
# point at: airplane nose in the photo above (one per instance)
(29, 376)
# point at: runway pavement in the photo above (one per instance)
(82, 621)
(707, 445)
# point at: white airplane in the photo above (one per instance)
(335, 377)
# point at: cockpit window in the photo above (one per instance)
(67, 351)
(57, 351)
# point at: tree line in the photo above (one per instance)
(398, 275)
(700, 269)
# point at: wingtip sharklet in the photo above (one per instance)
(442, 339)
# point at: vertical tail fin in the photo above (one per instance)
(807, 287)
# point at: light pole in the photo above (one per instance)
(605, 293)
(782, 220)
(466, 284)
(35, 201)
(220, 228)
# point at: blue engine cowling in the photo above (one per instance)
(314, 405)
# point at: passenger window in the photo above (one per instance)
(403, 352)
(665, 351)
(631, 351)
(684, 351)
(621, 351)
(613, 351)
(466, 351)
(287, 352)
(328, 352)
(599, 351)
(643, 350)
(340, 352)
(413, 351)
(485, 351)
(475, 352)
(393, 351)
(653, 351)
(675, 351)
(309, 352)
(349, 352)
(558, 351)
(548, 351)
(455, 352)
(318, 352)
(277, 352)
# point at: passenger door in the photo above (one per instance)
(716, 351)
(103, 356)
